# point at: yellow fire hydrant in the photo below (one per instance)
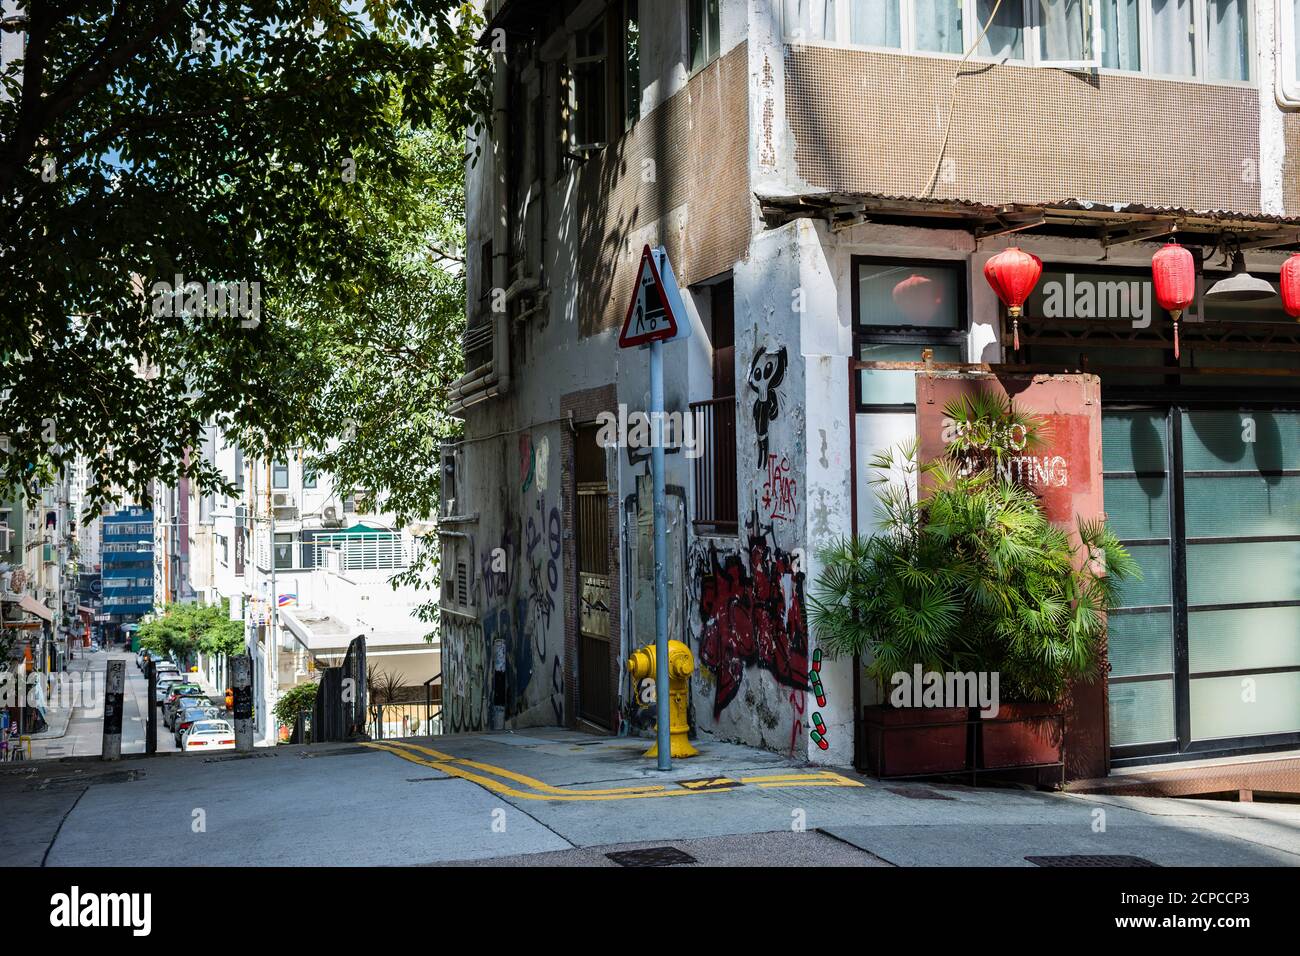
(681, 664)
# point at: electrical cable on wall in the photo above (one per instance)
(952, 101)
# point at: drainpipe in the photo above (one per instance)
(501, 219)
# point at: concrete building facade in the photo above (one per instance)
(800, 161)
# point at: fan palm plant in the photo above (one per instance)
(966, 573)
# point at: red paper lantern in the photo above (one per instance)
(1174, 271)
(1013, 273)
(918, 298)
(1290, 282)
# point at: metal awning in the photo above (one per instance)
(1110, 223)
(33, 606)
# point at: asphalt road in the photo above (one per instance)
(554, 797)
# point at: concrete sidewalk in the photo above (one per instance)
(499, 798)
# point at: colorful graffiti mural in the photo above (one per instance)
(752, 614)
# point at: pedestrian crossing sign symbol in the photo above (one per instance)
(656, 312)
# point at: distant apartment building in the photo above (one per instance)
(307, 571)
(829, 178)
(127, 569)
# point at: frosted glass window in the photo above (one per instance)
(1134, 441)
(1243, 639)
(896, 387)
(1154, 590)
(875, 23)
(1141, 712)
(1173, 50)
(1005, 36)
(1138, 508)
(938, 25)
(1244, 706)
(1140, 643)
(1246, 506)
(1226, 44)
(1121, 39)
(1248, 573)
(1246, 441)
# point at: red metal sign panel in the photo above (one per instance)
(650, 315)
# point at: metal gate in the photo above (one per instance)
(595, 699)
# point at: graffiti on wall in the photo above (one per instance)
(751, 609)
(495, 665)
(780, 490)
(766, 372)
(465, 675)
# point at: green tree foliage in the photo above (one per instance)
(295, 699)
(968, 574)
(184, 629)
(223, 143)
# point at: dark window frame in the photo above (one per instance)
(864, 334)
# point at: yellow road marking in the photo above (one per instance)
(527, 781)
(539, 790)
(821, 777)
(496, 786)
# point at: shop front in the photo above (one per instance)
(1201, 458)
(1200, 464)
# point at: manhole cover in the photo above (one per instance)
(651, 856)
(1089, 859)
(917, 794)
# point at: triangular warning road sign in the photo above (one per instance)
(656, 307)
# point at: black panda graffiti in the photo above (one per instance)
(766, 372)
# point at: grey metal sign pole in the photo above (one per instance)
(113, 695)
(661, 553)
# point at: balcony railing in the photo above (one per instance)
(715, 469)
(354, 552)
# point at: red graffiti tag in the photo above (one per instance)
(752, 617)
(779, 491)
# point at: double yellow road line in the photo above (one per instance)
(503, 781)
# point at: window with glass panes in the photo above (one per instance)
(901, 308)
(1202, 39)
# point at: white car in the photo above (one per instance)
(206, 735)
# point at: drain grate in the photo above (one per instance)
(651, 856)
(917, 794)
(234, 757)
(85, 780)
(710, 783)
(340, 752)
(1090, 859)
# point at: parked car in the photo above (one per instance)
(209, 735)
(164, 687)
(181, 696)
(190, 715)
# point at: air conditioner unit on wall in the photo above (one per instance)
(283, 500)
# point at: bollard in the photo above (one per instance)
(151, 721)
(113, 692)
(241, 679)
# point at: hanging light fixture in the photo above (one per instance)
(1241, 286)
(1013, 273)
(1173, 271)
(1290, 284)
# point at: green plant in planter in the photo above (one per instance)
(966, 573)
